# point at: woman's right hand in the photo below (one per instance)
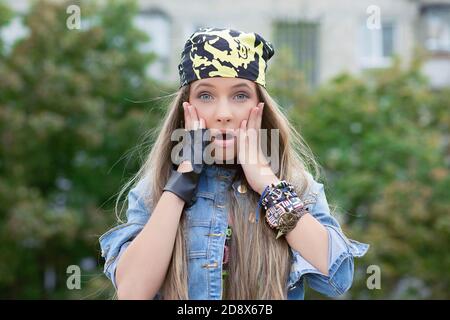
(192, 122)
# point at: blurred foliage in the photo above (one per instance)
(383, 142)
(67, 120)
(5, 17)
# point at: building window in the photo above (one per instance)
(301, 38)
(377, 46)
(435, 21)
(157, 25)
(435, 37)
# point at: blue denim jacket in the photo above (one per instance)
(207, 214)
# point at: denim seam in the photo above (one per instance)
(334, 268)
(107, 247)
(213, 222)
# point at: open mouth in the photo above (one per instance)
(224, 136)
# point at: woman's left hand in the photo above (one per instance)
(256, 168)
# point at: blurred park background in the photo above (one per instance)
(371, 97)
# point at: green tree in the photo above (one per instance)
(66, 118)
(383, 141)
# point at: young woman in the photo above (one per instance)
(236, 227)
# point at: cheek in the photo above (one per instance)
(243, 114)
(205, 114)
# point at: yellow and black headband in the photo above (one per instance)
(215, 52)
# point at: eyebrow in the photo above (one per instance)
(242, 84)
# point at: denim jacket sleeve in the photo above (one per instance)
(114, 242)
(341, 252)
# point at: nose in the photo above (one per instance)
(224, 119)
(223, 114)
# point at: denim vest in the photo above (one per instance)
(207, 221)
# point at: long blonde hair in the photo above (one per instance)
(259, 265)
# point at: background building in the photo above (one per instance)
(326, 37)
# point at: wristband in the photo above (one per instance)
(283, 206)
(183, 184)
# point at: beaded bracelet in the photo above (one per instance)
(283, 206)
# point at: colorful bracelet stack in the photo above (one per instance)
(283, 206)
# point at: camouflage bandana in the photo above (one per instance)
(215, 52)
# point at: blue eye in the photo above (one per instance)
(204, 94)
(242, 95)
(239, 96)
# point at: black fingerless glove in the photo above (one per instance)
(183, 184)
